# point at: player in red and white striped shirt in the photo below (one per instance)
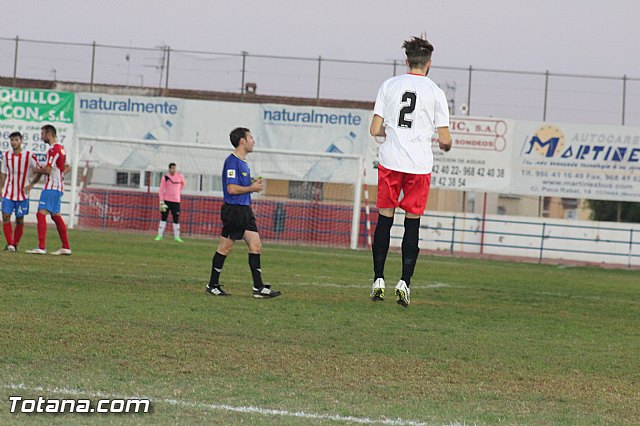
(17, 167)
(51, 195)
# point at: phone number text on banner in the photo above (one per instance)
(479, 159)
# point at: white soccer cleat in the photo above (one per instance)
(377, 290)
(36, 250)
(62, 252)
(403, 294)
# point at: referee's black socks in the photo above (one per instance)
(216, 268)
(256, 273)
(410, 248)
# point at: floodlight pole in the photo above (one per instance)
(546, 92)
(166, 81)
(319, 74)
(624, 96)
(15, 62)
(469, 92)
(244, 70)
(93, 64)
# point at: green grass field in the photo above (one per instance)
(483, 342)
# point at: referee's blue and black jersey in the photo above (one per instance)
(236, 171)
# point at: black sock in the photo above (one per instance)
(256, 273)
(410, 248)
(381, 238)
(216, 268)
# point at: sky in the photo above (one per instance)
(572, 36)
(562, 36)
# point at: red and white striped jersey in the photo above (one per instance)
(18, 168)
(56, 159)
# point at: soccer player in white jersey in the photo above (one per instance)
(409, 109)
(15, 172)
(51, 195)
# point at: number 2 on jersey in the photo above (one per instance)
(409, 100)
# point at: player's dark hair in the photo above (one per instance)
(172, 165)
(237, 134)
(15, 135)
(49, 129)
(418, 51)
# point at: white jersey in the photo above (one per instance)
(18, 169)
(412, 107)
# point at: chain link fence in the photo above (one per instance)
(524, 95)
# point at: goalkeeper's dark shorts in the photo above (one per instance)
(174, 208)
(237, 219)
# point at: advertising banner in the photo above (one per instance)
(488, 155)
(27, 110)
(131, 117)
(479, 158)
(283, 127)
(478, 161)
(300, 129)
(577, 161)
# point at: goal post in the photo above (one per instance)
(309, 198)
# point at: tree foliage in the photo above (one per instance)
(614, 211)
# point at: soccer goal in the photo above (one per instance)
(309, 198)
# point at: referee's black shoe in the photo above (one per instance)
(215, 291)
(265, 292)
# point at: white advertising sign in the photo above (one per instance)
(131, 117)
(285, 127)
(479, 158)
(488, 154)
(274, 126)
(478, 161)
(577, 161)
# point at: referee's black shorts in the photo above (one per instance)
(237, 219)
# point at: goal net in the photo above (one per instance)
(309, 198)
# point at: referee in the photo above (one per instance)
(238, 221)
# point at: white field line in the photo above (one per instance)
(445, 285)
(219, 407)
(327, 284)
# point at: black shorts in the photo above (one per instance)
(174, 208)
(237, 219)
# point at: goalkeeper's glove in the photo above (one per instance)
(163, 206)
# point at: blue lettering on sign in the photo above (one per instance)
(587, 152)
(312, 117)
(128, 105)
(551, 144)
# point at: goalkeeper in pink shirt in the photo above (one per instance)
(171, 186)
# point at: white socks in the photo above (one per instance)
(161, 227)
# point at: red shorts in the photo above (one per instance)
(414, 187)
